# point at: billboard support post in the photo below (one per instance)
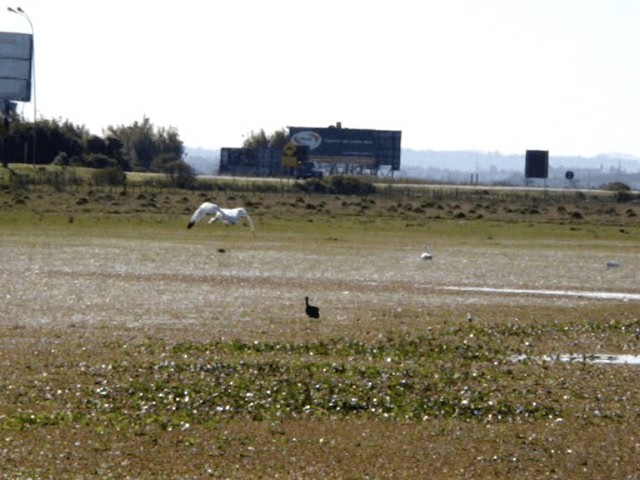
(22, 13)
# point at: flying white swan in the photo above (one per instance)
(228, 216)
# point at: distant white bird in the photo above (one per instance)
(426, 255)
(228, 216)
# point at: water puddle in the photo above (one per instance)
(560, 293)
(599, 358)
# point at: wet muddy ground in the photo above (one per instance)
(234, 286)
(70, 294)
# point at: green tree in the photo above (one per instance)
(115, 149)
(260, 139)
(278, 139)
(146, 148)
(95, 144)
(256, 140)
(52, 137)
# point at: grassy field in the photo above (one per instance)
(135, 348)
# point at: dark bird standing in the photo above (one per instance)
(313, 312)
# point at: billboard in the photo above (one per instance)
(372, 147)
(16, 50)
(536, 164)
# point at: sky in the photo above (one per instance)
(493, 75)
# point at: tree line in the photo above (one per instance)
(140, 146)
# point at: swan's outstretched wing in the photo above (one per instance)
(245, 214)
(203, 210)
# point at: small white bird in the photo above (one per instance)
(426, 255)
(228, 216)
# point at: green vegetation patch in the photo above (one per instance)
(465, 373)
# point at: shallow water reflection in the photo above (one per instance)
(591, 358)
(561, 293)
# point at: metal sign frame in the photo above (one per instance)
(16, 55)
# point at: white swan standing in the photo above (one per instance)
(228, 216)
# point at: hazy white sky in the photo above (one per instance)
(489, 75)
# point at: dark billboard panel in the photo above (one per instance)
(382, 146)
(15, 66)
(536, 164)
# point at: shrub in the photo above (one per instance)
(109, 176)
(618, 187)
(62, 159)
(623, 196)
(180, 174)
(313, 185)
(338, 185)
(351, 185)
(99, 160)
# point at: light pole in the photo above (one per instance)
(23, 14)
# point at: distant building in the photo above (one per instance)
(250, 162)
(332, 150)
